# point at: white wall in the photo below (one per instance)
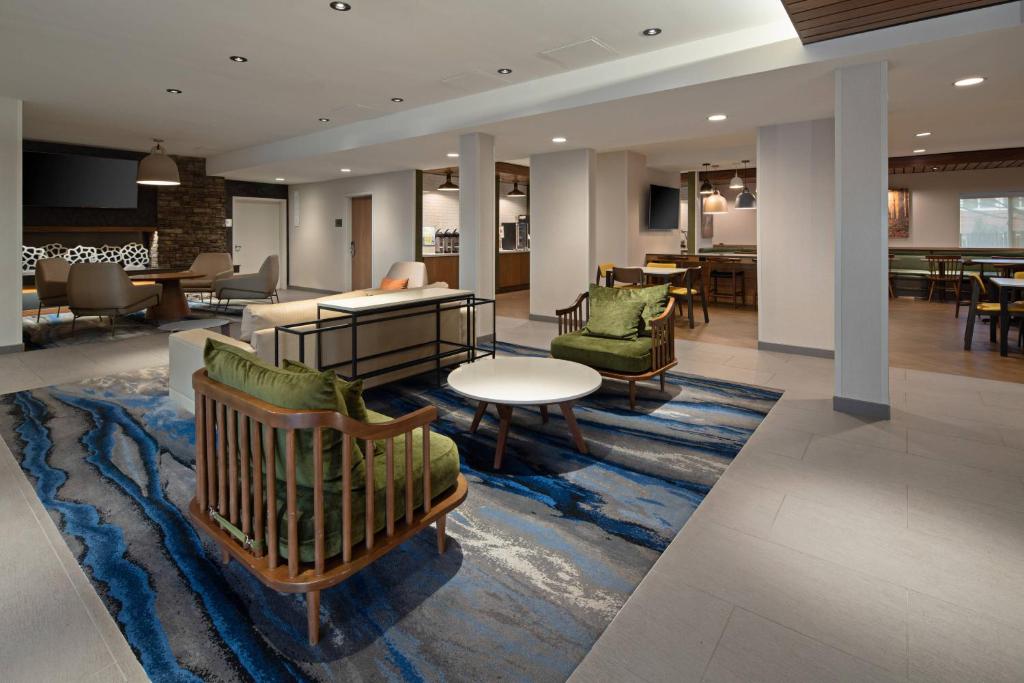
(562, 228)
(320, 252)
(795, 239)
(10, 224)
(934, 201)
(735, 227)
(510, 208)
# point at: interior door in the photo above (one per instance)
(361, 247)
(256, 232)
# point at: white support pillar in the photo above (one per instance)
(861, 257)
(10, 225)
(477, 221)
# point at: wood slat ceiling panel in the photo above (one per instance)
(817, 20)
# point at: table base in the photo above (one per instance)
(505, 421)
(173, 306)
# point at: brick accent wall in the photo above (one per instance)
(190, 217)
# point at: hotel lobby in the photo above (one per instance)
(590, 341)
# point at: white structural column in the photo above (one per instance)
(562, 228)
(10, 225)
(861, 258)
(477, 221)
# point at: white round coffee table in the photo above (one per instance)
(508, 382)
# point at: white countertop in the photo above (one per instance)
(524, 380)
(423, 295)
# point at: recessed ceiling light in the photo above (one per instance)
(923, 134)
(935, 168)
(558, 140)
(238, 58)
(970, 80)
(341, 6)
(653, 31)
(174, 91)
(280, 180)
(504, 71)
(453, 155)
(919, 151)
(324, 119)
(717, 117)
(396, 100)
(346, 170)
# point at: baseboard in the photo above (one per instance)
(12, 348)
(544, 318)
(868, 409)
(798, 350)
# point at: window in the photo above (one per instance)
(992, 220)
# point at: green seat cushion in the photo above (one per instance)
(655, 299)
(909, 272)
(630, 356)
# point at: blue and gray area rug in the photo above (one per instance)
(541, 555)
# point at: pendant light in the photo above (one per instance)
(715, 203)
(157, 168)
(746, 200)
(448, 185)
(705, 187)
(737, 182)
(516, 192)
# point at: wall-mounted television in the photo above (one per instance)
(663, 203)
(79, 181)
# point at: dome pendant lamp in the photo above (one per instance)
(705, 187)
(746, 200)
(737, 182)
(515, 191)
(157, 168)
(448, 185)
(715, 203)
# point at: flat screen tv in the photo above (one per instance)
(77, 181)
(664, 208)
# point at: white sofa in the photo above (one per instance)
(258, 333)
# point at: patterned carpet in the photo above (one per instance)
(541, 555)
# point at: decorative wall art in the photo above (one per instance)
(133, 255)
(899, 214)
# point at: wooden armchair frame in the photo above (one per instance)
(663, 342)
(232, 511)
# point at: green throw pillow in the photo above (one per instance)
(655, 298)
(350, 392)
(615, 318)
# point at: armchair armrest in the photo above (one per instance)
(663, 343)
(574, 317)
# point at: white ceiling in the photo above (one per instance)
(97, 72)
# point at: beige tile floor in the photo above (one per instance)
(831, 550)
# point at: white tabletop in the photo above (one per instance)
(425, 295)
(524, 380)
(997, 261)
(1010, 282)
(667, 272)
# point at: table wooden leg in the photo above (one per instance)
(574, 429)
(544, 414)
(1004, 320)
(505, 413)
(480, 410)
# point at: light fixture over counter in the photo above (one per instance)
(157, 168)
(705, 187)
(448, 185)
(745, 200)
(515, 191)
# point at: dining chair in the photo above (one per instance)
(210, 267)
(52, 283)
(989, 309)
(602, 272)
(685, 286)
(104, 289)
(944, 272)
(258, 285)
(629, 277)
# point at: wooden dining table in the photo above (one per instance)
(1005, 285)
(1005, 266)
(172, 306)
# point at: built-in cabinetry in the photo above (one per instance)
(443, 268)
(513, 271)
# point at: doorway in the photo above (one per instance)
(361, 248)
(258, 231)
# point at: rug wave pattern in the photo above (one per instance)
(541, 556)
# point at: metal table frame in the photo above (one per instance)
(435, 307)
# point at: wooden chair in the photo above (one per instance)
(944, 272)
(732, 274)
(602, 272)
(662, 343)
(988, 309)
(629, 277)
(684, 287)
(233, 511)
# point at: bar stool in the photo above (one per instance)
(733, 277)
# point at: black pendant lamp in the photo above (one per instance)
(746, 200)
(705, 187)
(448, 185)
(516, 192)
